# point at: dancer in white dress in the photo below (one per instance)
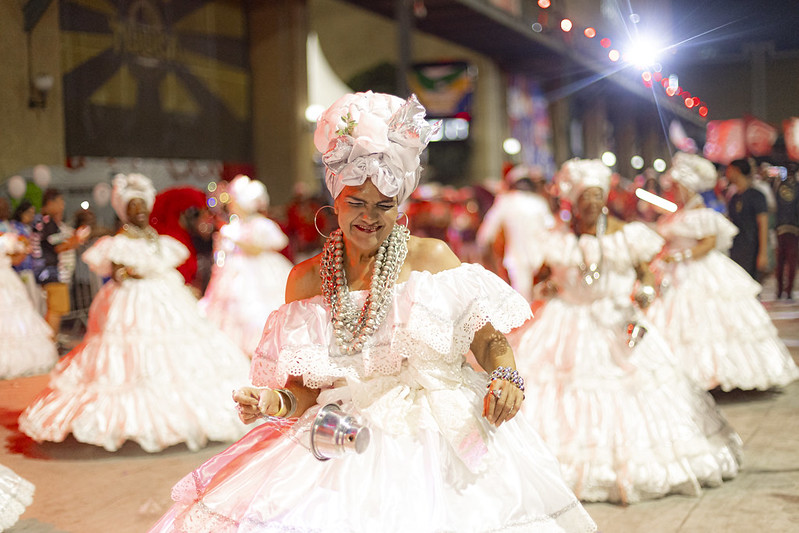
(519, 216)
(708, 308)
(625, 423)
(249, 276)
(26, 341)
(16, 494)
(150, 368)
(445, 455)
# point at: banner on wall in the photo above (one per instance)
(760, 137)
(528, 115)
(725, 141)
(444, 89)
(791, 133)
(156, 78)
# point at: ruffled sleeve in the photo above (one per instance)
(98, 256)
(442, 312)
(644, 243)
(173, 252)
(704, 222)
(265, 234)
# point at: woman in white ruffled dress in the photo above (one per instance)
(623, 420)
(249, 276)
(16, 494)
(445, 453)
(150, 368)
(26, 341)
(708, 308)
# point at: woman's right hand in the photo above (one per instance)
(253, 403)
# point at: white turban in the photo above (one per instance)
(376, 136)
(693, 172)
(250, 195)
(126, 188)
(577, 175)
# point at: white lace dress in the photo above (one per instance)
(709, 312)
(626, 424)
(433, 464)
(150, 368)
(26, 345)
(245, 287)
(16, 494)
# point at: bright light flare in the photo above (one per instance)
(543, 4)
(609, 158)
(643, 53)
(313, 111)
(659, 165)
(566, 25)
(84, 205)
(590, 33)
(656, 200)
(614, 55)
(703, 111)
(637, 162)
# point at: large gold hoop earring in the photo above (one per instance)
(407, 219)
(316, 224)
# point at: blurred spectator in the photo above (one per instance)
(54, 247)
(748, 211)
(787, 199)
(22, 223)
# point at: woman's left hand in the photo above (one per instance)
(502, 401)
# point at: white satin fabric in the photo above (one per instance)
(245, 287)
(150, 368)
(26, 345)
(709, 312)
(626, 424)
(16, 494)
(433, 464)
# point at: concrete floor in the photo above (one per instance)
(84, 489)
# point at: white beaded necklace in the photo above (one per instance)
(352, 326)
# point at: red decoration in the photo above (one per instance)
(760, 137)
(791, 132)
(726, 141)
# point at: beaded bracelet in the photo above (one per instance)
(508, 374)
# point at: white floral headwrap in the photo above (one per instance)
(126, 188)
(250, 195)
(376, 136)
(693, 171)
(577, 175)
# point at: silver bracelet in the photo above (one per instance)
(289, 398)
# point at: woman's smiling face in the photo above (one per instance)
(365, 215)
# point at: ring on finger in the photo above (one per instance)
(497, 393)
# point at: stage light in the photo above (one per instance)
(537, 27)
(703, 111)
(643, 52)
(84, 205)
(646, 75)
(670, 91)
(566, 25)
(689, 103)
(590, 33)
(605, 43)
(637, 162)
(609, 158)
(511, 146)
(543, 4)
(313, 111)
(614, 55)
(659, 165)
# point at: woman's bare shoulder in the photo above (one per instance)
(304, 281)
(431, 255)
(614, 225)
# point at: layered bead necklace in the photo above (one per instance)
(352, 326)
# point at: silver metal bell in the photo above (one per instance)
(334, 433)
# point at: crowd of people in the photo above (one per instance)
(409, 308)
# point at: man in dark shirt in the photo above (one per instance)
(52, 238)
(748, 210)
(787, 194)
